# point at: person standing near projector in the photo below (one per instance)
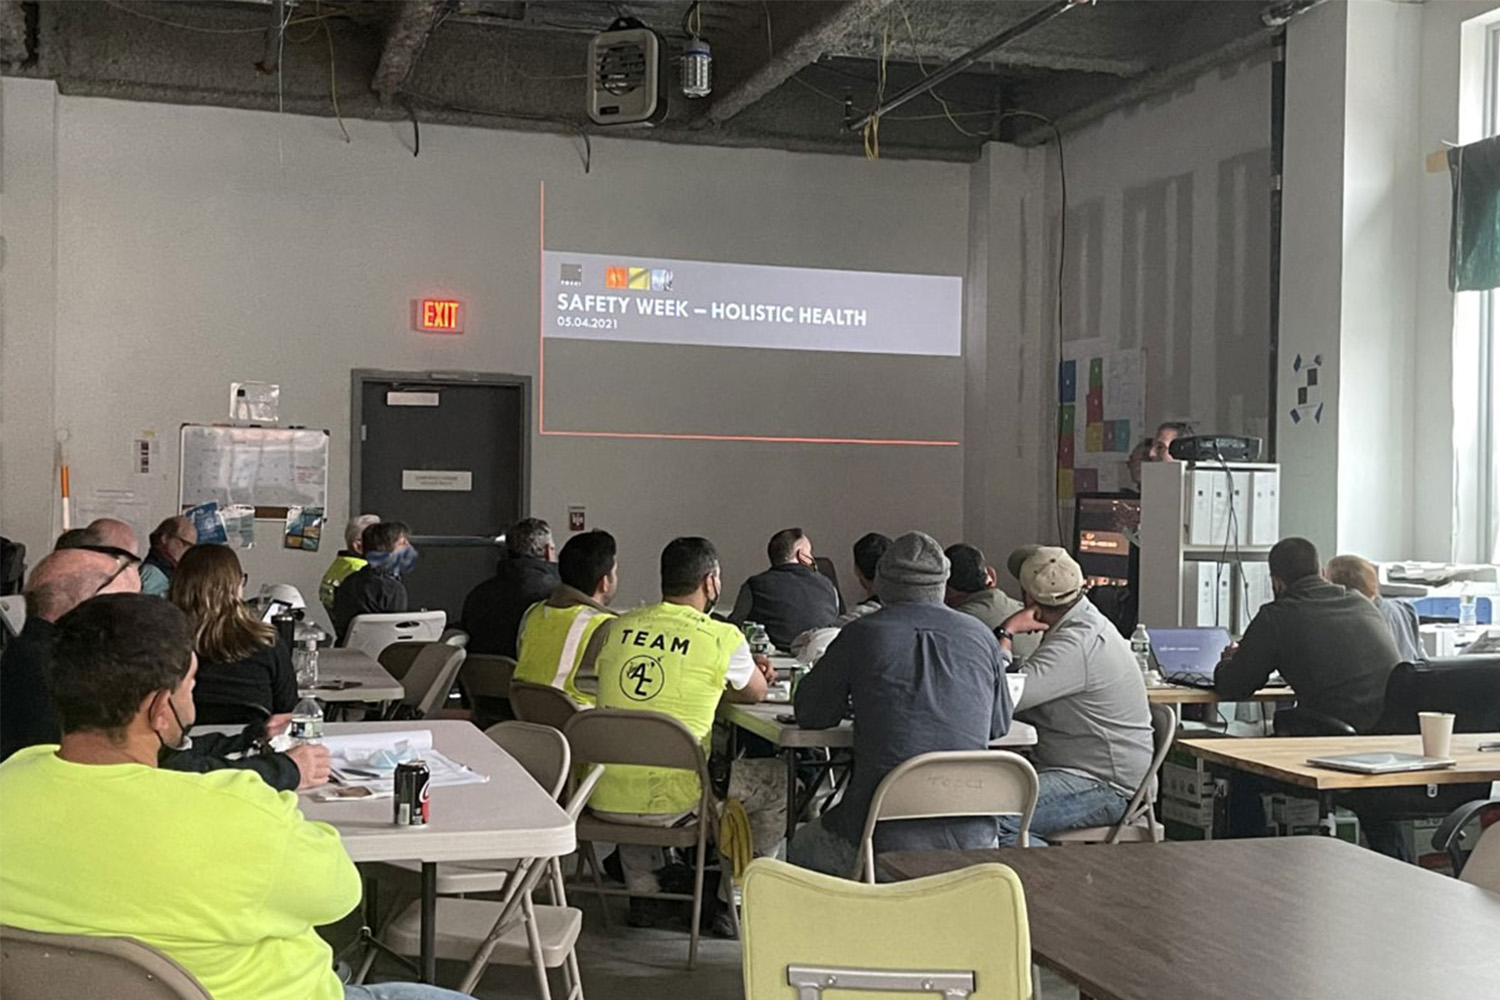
(1168, 432)
(790, 597)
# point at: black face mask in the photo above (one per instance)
(184, 741)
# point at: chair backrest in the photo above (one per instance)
(622, 736)
(13, 612)
(952, 784)
(541, 750)
(36, 966)
(962, 929)
(542, 704)
(431, 677)
(372, 633)
(455, 637)
(1467, 686)
(487, 675)
(1163, 735)
(398, 657)
(1483, 867)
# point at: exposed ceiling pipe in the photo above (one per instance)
(270, 59)
(1278, 14)
(968, 59)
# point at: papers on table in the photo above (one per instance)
(368, 761)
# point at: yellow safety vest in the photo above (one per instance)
(664, 658)
(552, 644)
(345, 564)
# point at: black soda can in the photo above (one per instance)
(412, 793)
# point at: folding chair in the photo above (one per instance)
(1139, 824)
(372, 633)
(429, 680)
(542, 704)
(485, 680)
(513, 931)
(649, 739)
(951, 784)
(962, 934)
(37, 966)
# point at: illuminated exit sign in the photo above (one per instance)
(437, 315)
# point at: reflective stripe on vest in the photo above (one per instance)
(552, 644)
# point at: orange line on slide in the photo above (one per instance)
(541, 312)
(746, 437)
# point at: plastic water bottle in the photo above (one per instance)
(305, 662)
(307, 721)
(1140, 646)
(1468, 611)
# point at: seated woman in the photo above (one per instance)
(244, 671)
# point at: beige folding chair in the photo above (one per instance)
(430, 678)
(961, 934)
(951, 784)
(1483, 867)
(649, 739)
(543, 704)
(512, 931)
(455, 637)
(485, 679)
(1139, 824)
(398, 656)
(37, 966)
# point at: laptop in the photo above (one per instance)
(1188, 656)
(1382, 762)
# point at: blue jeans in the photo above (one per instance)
(819, 849)
(1067, 801)
(401, 991)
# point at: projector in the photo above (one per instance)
(1216, 448)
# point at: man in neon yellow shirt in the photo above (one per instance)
(671, 658)
(350, 560)
(217, 870)
(561, 636)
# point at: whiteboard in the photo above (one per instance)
(268, 468)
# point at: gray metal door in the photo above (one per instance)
(448, 454)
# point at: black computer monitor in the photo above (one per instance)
(1103, 526)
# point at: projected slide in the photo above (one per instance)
(652, 347)
(601, 297)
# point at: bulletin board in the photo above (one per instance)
(269, 468)
(1100, 413)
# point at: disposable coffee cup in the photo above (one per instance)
(1437, 733)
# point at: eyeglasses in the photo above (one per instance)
(244, 580)
(110, 550)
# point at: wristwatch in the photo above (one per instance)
(1002, 634)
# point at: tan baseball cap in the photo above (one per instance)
(1052, 577)
(1018, 557)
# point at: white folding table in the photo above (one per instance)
(352, 675)
(509, 816)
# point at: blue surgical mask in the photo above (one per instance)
(397, 563)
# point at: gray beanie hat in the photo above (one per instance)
(912, 571)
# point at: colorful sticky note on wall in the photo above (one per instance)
(1065, 483)
(1093, 438)
(1086, 480)
(1065, 419)
(1110, 429)
(1122, 436)
(1067, 381)
(1065, 451)
(1096, 374)
(1095, 404)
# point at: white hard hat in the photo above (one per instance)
(283, 592)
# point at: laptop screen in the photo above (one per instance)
(1188, 651)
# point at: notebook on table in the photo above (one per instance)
(1188, 656)
(1382, 762)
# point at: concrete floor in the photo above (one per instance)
(622, 963)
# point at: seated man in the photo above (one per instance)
(670, 657)
(1359, 575)
(1330, 644)
(562, 633)
(377, 588)
(790, 597)
(973, 590)
(1084, 694)
(492, 611)
(60, 583)
(97, 840)
(867, 553)
(350, 560)
(169, 541)
(921, 677)
(105, 531)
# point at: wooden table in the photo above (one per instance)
(1290, 917)
(1284, 759)
(788, 737)
(1179, 694)
(371, 682)
(509, 816)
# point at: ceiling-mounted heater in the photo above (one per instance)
(627, 65)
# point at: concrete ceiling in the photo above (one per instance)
(787, 74)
